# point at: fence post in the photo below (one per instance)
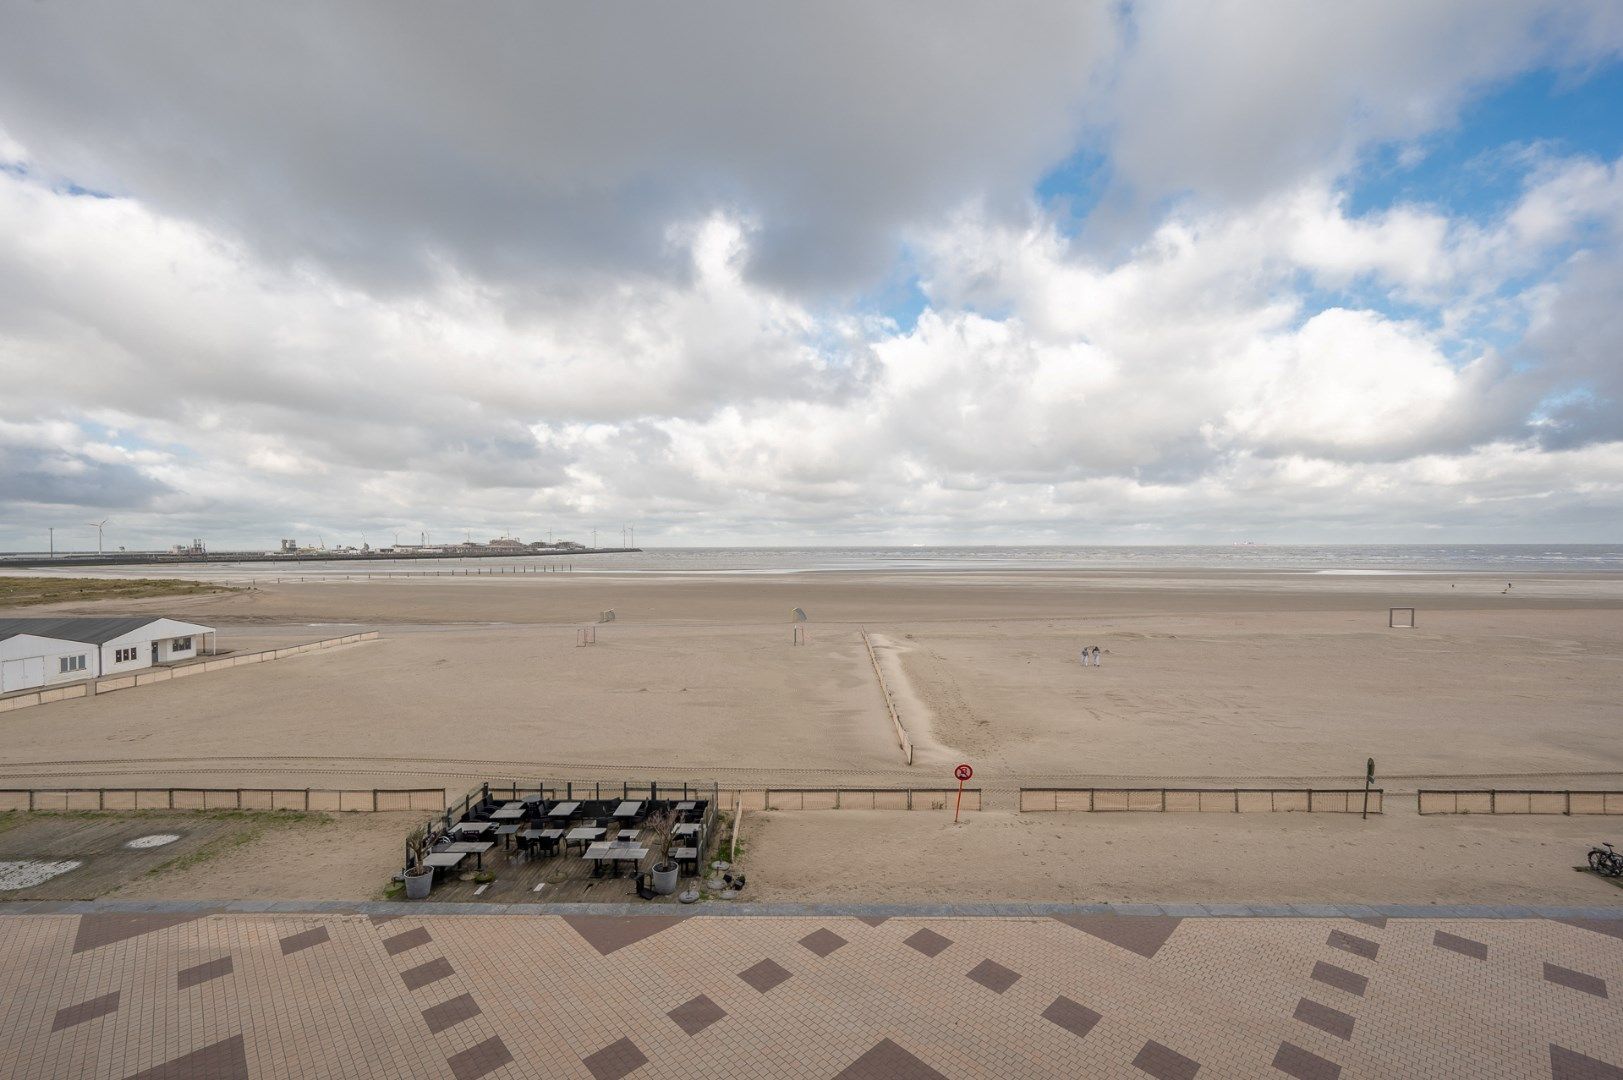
(374, 800)
(910, 798)
(239, 798)
(836, 798)
(1163, 800)
(171, 798)
(101, 799)
(1493, 800)
(307, 800)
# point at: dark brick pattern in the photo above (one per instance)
(1165, 1063)
(202, 973)
(479, 1059)
(307, 939)
(1292, 1060)
(696, 1014)
(448, 1014)
(615, 1060)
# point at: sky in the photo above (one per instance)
(782, 274)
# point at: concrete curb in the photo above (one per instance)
(728, 909)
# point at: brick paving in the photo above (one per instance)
(327, 994)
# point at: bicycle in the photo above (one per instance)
(1606, 861)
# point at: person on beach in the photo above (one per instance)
(1096, 656)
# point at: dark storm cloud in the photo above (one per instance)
(44, 477)
(529, 139)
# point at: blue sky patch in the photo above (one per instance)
(1477, 167)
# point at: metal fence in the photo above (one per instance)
(1202, 800)
(1520, 801)
(178, 798)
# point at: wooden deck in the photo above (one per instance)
(564, 878)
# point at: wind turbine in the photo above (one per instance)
(98, 526)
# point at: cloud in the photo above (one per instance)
(1230, 100)
(380, 139)
(353, 281)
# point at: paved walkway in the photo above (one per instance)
(184, 993)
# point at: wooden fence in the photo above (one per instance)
(107, 685)
(1520, 801)
(848, 799)
(1201, 800)
(731, 799)
(178, 798)
(903, 740)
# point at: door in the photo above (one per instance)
(24, 674)
(154, 652)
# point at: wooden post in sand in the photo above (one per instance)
(1369, 778)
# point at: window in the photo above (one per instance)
(70, 663)
(180, 644)
(121, 656)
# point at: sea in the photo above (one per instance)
(1307, 559)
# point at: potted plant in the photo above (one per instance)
(667, 874)
(420, 878)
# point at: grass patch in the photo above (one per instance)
(255, 824)
(12, 818)
(27, 591)
(214, 848)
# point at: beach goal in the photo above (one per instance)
(585, 636)
(607, 616)
(1400, 618)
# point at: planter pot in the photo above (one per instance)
(417, 885)
(666, 876)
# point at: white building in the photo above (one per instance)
(45, 652)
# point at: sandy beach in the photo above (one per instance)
(1207, 678)
(1203, 675)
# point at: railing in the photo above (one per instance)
(1519, 801)
(727, 799)
(1202, 800)
(848, 799)
(180, 798)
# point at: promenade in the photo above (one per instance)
(187, 990)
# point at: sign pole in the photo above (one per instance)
(962, 772)
(1369, 778)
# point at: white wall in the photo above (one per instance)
(27, 661)
(112, 666)
(165, 632)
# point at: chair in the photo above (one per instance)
(645, 888)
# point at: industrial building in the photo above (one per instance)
(45, 652)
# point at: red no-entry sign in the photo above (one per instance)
(962, 772)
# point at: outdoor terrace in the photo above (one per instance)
(568, 844)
